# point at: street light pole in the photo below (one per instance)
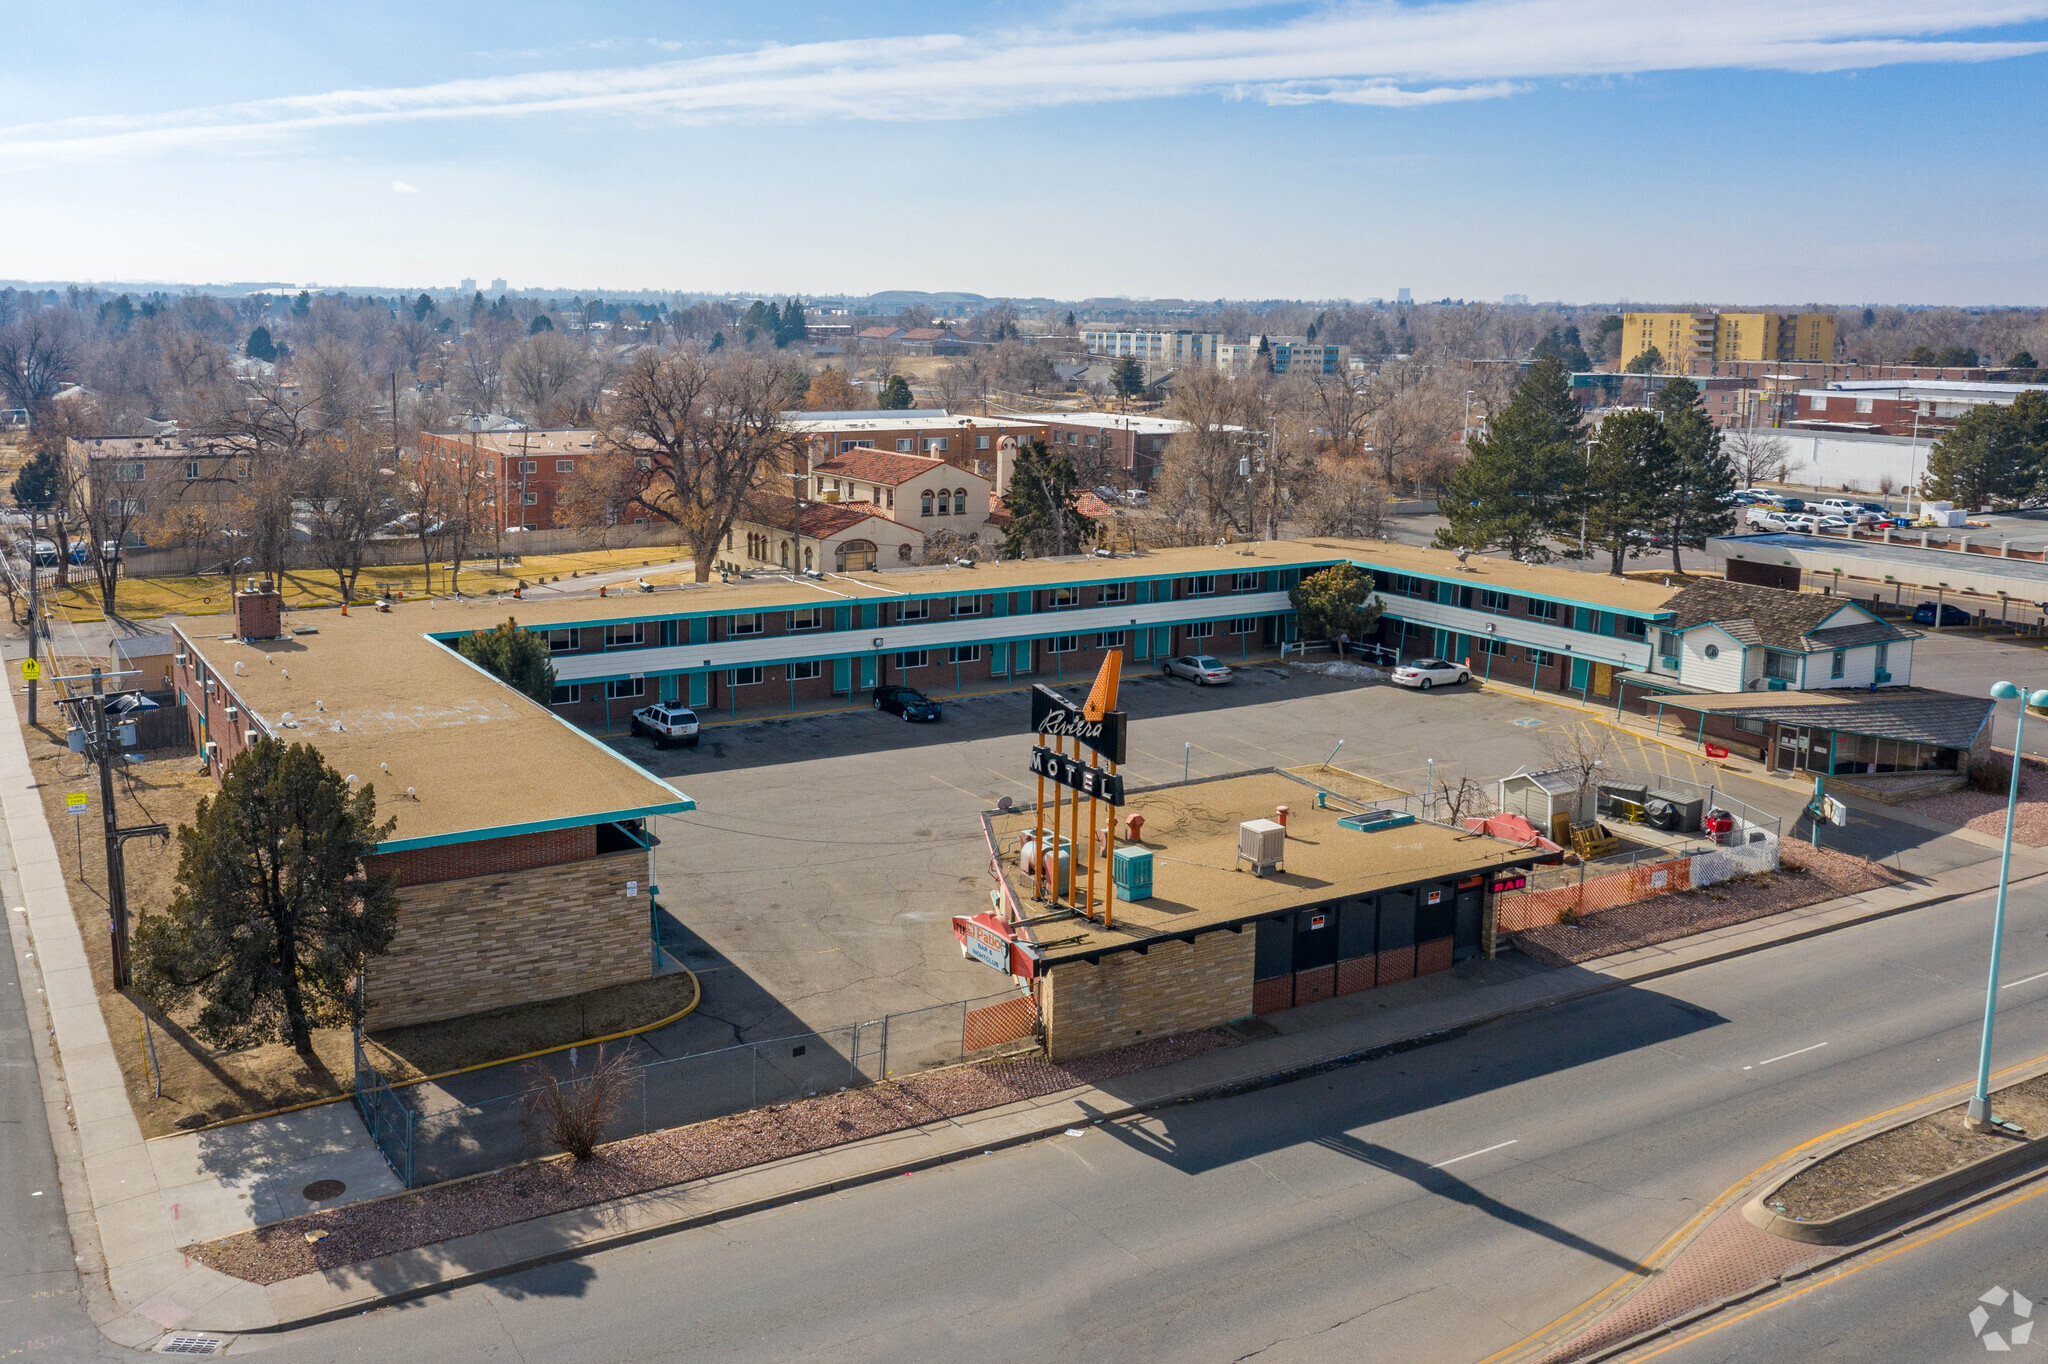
(1979, 1118)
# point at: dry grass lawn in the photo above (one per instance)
(202, 1084)
(205, 594)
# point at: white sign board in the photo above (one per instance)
(632, 890)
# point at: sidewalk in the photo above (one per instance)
(1336, 1032)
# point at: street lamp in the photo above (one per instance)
(1979, 1118)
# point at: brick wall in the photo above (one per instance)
(486, 942)
(484, 857)
(1173, 988)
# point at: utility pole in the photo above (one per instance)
(100, 743)
(34, 624)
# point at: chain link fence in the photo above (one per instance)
(427, 1138)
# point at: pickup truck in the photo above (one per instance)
(666, 723)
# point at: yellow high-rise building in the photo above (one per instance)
(1688, 339)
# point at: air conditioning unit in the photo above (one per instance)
(1883, 676)
(181, 660)
(250, 736)
(212, 750)
(233, 712)
(1262, 843)
(1774, 684)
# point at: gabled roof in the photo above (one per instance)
(1775, 617)
(877, 466)
(821, 520)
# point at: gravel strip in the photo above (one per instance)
(658, 1160)
(1809, 876)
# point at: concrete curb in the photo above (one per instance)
(1907, 1202)
(1227, 1087)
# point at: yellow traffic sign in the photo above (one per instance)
(30, 670)
(76, 801)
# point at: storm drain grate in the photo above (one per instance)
(190, 1345)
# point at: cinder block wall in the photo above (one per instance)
(1175, 987)
(485, 942)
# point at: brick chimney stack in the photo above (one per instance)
(259, 611)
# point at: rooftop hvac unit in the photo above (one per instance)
(1262, 843)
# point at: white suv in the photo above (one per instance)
(666, 723)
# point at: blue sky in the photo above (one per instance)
(1748, 151)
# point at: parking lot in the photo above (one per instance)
(816, 881)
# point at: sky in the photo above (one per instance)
(1739, 152)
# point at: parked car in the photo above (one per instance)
(908, 702)
(666, 723)
(1923, 614)
(1802, 523)
(1833, 523)
(1784, 502)
(1835, 506)
(1199, 669)
(1424, 673)
(1765, 518)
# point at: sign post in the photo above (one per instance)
(1102, 729)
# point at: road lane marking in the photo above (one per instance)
(2028, 981)
(1789, 1055)
(1480, 1152)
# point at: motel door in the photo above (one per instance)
(1471, 903)
(1803, 749)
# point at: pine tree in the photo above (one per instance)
(1631, 470)
(1044, 490)
(260, 346)
(1697, 501)
(516, 657)
(1519, 485)
(421, 306)
(895, 395)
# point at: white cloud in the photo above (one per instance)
(400, 187)
(1373, 52)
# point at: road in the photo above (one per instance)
(1432, 1205)
(1909, 1304)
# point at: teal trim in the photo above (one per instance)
(535, 827)
(999, 659)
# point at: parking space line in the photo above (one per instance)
(1006, 777)
(1480, 1152)
(2028, 981)
(961, 789)
(1789, 1055)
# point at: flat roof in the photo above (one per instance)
(1876, 558)
(1913, 714)
(483, 761)
(1508, 575)
(1192, 832)
(1108, 421)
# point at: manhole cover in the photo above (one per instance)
(322, 1188)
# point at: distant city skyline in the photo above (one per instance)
(1581, 150)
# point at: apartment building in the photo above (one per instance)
(173, 488)
(1137, 445)
(1289, 354)
(526, 470)
(1688, 339)
(969, 443)
(1169, 349)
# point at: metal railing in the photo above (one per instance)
(428, 1137)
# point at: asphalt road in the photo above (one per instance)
(1432, 1205)
(1909, 1304)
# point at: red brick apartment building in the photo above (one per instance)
(527, 470)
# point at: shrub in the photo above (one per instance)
(573, 1113)
(1991, 773)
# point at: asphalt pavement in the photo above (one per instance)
(1433, 1204)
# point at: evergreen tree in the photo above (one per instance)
(1127, 378)
(421, 306)
(302, 305)
(1518, 486)
(2022, 360)
(274, 917)
(1628, 481)
(1649, 362)
(1697, 501)
(895, 395)
(1994, 456)
(789, 327)
(516, 657)
(541, 323)
(1336, 601)
(260, 346)
(1044, 489)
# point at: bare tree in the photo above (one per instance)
(600, 493)
(1344, 498)
(335, 390)
(478, 363)
(348, 493)
(544, 377)
(269, 427)
(703, 431)
(1459, 799)
(36, 353)
(1756, 455)
(1582, 751)
(574, 1113)
(108, 499)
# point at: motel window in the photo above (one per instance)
(1496, 647)
(981, 442)
(565, 466)
(811, 619)
(1542, 610)
(966, 606)
(1634, 627)
(1249, 582)
(914, 610)
(1750, 726)
(1061, 598)
(1201, 629)
(1839, 664)
(1244, 626)
(1490, 600)
(564, 641)
(967, 653)
(1065, 644)
(1784, 667)
(1110, 639)
(565, 695)
(625, 688)
(804, 672)
(925, 503)
(746, 677)
(903, 446)
(913, 658)
(744, 625)
(1111, 594)
(1540, 658)
(1202, 586)
(625, 636)
(1668, 647)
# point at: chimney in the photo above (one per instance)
(259, 611)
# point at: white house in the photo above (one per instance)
(1736, 637)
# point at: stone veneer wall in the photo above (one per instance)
(486, 942)
(1174, 987)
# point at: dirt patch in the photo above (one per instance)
(1808, 876)
(202, 1084)
(363, 1231)
(1984, 811)
(1896, 1160)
